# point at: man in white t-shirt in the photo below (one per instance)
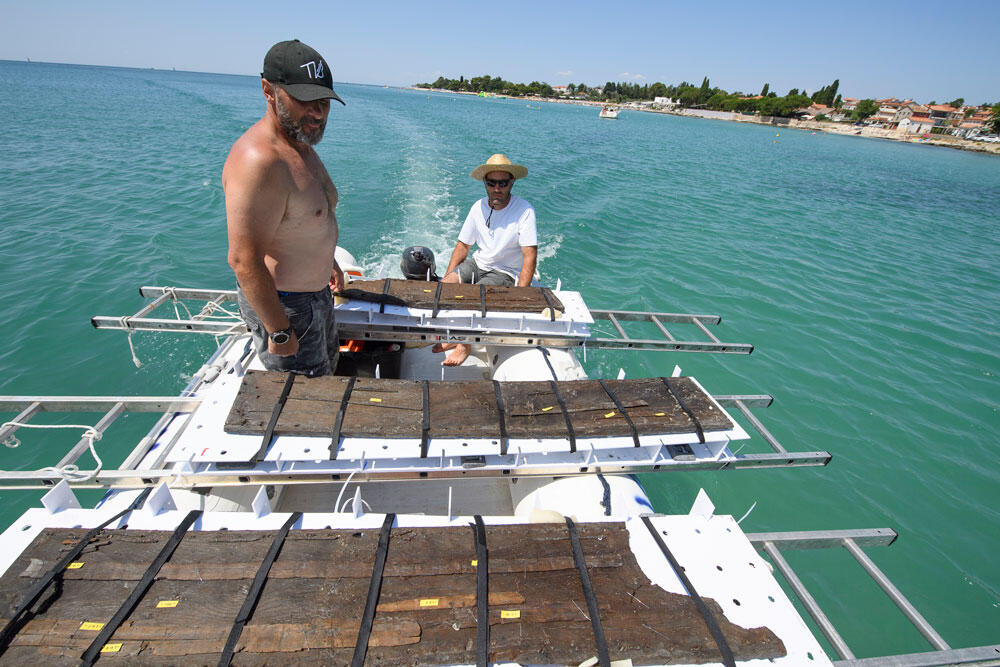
(502, 225)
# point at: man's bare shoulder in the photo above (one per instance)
(255, 154)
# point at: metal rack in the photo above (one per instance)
(669, 341)
(432, 328)
(852, 540)
(128, 475)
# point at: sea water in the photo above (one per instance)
(865, 272)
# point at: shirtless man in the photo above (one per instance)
(503, 226)
(280, 205)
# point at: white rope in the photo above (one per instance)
(342, 489)
(748, 513)
(69, 472)
(350, 501)
(125, 323)
(210, 308)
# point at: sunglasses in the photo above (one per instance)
(502, 183)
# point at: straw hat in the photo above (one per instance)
(499, 162)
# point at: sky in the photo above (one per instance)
(918, 49)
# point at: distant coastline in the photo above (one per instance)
(847, 129)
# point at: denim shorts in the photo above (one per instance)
(312, 318)
(470, 272)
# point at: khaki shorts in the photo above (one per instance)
(470, 272)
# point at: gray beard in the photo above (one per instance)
(292, 128)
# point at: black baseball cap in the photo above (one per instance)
(300, 70)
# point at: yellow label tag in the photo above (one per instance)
(74, 566)
(510, 613)
(165, 604)
(111, 648)
(660, 414)
(375, 400)
(429, 602)
(609, 415)
(427, 290)
(547, 409)
(475, 563)
(87, 625)
(459, 296)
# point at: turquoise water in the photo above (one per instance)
(867, 274)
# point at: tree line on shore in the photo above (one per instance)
(686, 95)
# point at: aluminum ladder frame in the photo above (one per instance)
(141, 321)
(127, 475)
(852, 540)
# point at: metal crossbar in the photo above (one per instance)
(140, 321)
(198, 323)
(852, 540)
(128, 476)
(669, 341)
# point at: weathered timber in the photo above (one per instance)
(309, 614)
(389, 408)
(420, 294)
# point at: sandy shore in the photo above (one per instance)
(848, 129)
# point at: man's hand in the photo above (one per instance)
(286, 349)
(337, 283)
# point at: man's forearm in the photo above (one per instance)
(458, 256)
(259, 289)
(528, 264)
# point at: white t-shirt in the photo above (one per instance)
(500, 244)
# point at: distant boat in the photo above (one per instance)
(609, 112)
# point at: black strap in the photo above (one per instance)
(437, 300)
(338, 423)
(385, 293)
(482, 298)
(621, 409)
(140, 589)
(569, 424)
(686, 409)
(606, 499)
(265, 442)
(548, 302)
(253, 595)
(713, 626)
(374, 588)
(504, 440)
(425, 425)
(482, 594)
(545, 356)
(588, 592)
(14, 624)
(247, 349)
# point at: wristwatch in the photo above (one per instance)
(282, 336)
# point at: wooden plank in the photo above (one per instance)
(420, 294)
(309, 615)
(389, 408)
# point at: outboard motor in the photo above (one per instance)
(418, 264)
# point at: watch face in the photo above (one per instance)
(280, 337)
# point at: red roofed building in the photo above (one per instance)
(916, 124)
(814, 110)
(890, 112)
